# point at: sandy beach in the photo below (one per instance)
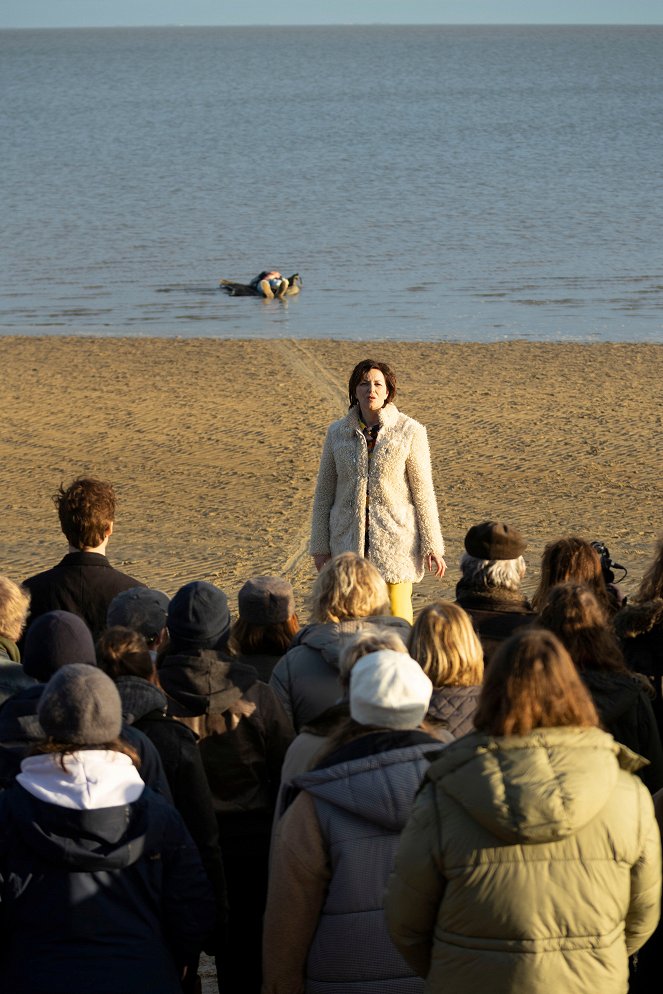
(213, 447)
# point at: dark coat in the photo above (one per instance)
(144, 708)
(625, 711)
(84, 583)
(495, 614)
(106, 901)
(639, 628)
(20, 730)
(306, 677)
(454, 708)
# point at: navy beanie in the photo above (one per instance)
(198, 617)
(54, 640)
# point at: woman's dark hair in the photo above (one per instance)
(651, 587)
(360, 370)
(247, 639)
(124, 652)
(571, 560)
(531, 683)
(576, 616)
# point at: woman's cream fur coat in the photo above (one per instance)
(404, 523)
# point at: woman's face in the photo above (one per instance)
(372, 391)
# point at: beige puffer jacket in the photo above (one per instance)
(530, 865)
(404, 522)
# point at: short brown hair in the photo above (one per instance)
(570, 559)
(124, 652)
(347, 587)
(447, 648)
(86, 509)
(532, 683)
(14, 607)
(360, 370)
(573, 613)
(249, 639)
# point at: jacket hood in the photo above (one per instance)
(203, 682)
(534, 788)
(91, 779)
(80, 840)
(379, 788)
(638, 619)
(328, 637)
(139, 697)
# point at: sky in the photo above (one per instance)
(108, 13)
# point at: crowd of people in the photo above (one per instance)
(463, 804)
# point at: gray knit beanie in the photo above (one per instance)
(80, 705)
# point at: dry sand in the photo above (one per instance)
(213, 447)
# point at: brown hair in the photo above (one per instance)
(570, 559)
(48, 748)
(575, 615)
(532, 683)
(447, 648)
(124, 652)
(249, 639)
(652, 582)
(86, 510)
(359, 372)
(347, 587)
(14, 607)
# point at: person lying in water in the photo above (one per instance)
(270, 284)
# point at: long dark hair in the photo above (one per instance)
(571, 559)
(575, 615)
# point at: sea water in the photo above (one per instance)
(429, 183)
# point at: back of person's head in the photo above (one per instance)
(14, 607)
(142, 609)
(361, 643)
(532, 683)
(198, 618)
(651, 587)
(580, 621)
(389, 689)
(570, 559)
(86, 509)
(54, 640)
(348, 587)
(124, 652)
(446, 646)
(267, 620)
(493, 557)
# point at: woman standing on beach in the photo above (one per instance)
(375, 493)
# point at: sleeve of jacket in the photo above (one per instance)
(280, 681)
(325, 494)
(650, 745)
(420, 479)
(298, 882)
(151, 768)
(416, 885)
(645, 904)
(278, 732)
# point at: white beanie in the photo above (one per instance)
(389, 689)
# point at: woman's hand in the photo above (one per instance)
(320, 560)
(436, 564)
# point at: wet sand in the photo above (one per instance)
(213, 447)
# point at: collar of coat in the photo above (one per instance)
(388, 417)
(509, 601)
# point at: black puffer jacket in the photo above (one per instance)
(306, 677)
(625, 710)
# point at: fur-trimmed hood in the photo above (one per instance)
(638, 619)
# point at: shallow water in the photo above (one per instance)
(428, 183)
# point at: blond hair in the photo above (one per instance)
(348, 587)
(14, 607)
(446, 646)
(364, 641)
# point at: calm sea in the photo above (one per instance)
(428, 183)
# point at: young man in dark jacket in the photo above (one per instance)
(84, 582)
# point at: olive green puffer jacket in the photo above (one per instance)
(529, 864)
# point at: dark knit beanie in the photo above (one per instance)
(141, 609)
(56, 639)
(266, 600)
(80, 705)
(198, 616)
(494, 540)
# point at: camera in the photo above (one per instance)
(607, 564)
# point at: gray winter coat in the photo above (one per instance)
(306, 677)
